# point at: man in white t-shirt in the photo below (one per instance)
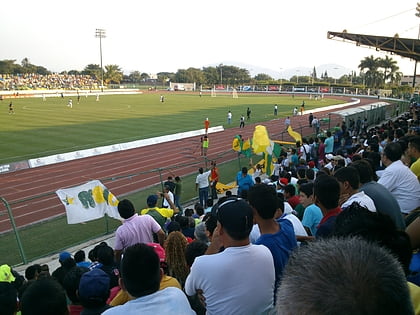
(240, 279)
(202, 185)
(399, 179)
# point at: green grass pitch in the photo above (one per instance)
(41, 128)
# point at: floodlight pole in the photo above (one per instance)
(221, 73)
(100, 33)
(418, 37)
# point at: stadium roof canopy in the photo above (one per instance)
(405, 47)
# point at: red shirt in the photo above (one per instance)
(293, 201)
(331, 213)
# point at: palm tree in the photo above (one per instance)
(113, 74)
(388, 64)
(372, 75)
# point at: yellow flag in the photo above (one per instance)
(260, 139)
(295, 135)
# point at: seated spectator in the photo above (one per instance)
(312, 215)
(200, 233)
(293, 200)
(140, 277)
(414, 152)
(220, 276)
(167, 281)
(106, 258)
(175, 246)
(94, 291)
(327, 194)
(186, 229)
(278, 236)
(79, 258)
(349, 180)
(380, 276)
(399, 179)
(44, 297)
(32, 272)
(71, 285)
(385, 202)
(193, 250)
(66, 263)
(8, 299)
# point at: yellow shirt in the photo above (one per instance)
(166, 282)
(415, 297)
(415, 168)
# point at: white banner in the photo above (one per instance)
(88, 202)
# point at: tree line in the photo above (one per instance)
(374, 73)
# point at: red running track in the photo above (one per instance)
(182, 155)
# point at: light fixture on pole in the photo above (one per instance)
(100, 33)
(418, 37)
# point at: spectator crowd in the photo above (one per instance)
(33, 81)
(334, 229)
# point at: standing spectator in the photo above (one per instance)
(178, 192)
(399, 179)
(206, 125)
(170, 183)
(161, 215)
(205, 145)
(286, 123)
(202, 185)
(329, 143)
(311, 119)
(242, 122)
(315, 126)
(11, 110)
(214, 179)
(220, 275)
(244, 181)
(168, 199)
(135, 229)
(140, 277)
(229, 117)
(248, 114)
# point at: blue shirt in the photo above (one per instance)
(329, 144)
(281, 245)
(312, 217)
(244, 183)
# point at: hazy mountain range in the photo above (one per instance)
(333, 70)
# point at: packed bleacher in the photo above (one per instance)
(33, 81)
(334, 229)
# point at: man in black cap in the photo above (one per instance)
(239, 280)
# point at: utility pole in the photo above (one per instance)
(418, 36)
(100, 33)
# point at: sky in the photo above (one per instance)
(167, 35)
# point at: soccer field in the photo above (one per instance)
(40, 128)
